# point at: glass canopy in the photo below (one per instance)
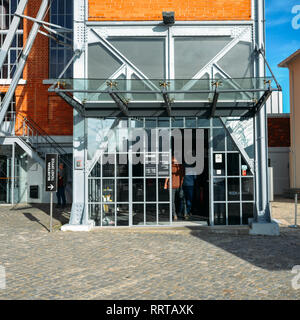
(241, 97)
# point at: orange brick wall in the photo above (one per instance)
(119, 10)
(33, 99)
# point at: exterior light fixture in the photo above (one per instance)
(168, 17)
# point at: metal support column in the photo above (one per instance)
(20, 67)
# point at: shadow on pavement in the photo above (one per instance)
(267, 252)
(33, 218)
(61, 215)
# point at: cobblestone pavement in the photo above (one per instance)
(141, 264)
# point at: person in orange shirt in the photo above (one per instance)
(177, 179)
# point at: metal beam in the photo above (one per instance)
(123, 106)
(72, 102)
(12, 32)
(261, 102)
(260, 51)
(41, 22)
(214, 104)
(23, 58)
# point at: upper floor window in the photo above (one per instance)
(61, 13)
(7, 10)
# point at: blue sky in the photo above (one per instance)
(282, 40)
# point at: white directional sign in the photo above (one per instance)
(51, 172)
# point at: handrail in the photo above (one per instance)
(32, 129)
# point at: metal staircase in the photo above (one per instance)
(40, 141)
(34, 140)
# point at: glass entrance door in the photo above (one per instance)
(128, 188)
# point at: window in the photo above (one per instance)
(61, 13)
(7, 10)
(11, 109)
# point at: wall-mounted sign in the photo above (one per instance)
(244, 170)
(78, 163)
(51, 172)
(218, 158)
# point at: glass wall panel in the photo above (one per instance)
(150, 190)
(102, 64)
(138, 190)
(247, 189)
(163, 194)
(234, 213)
(219, 213)
(219, 139)
(233, 164)
(147, 54)
(219, 189)
(122, 214)
(108, 191)
(138, 214)
(247, 212)
(238, 61)
(164, 213)
(122, 190)
(193, 53)
(151, 214)
(233, 189)
(108, 219)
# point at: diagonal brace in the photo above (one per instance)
(123, 105)
(263, 99)
(214, 104)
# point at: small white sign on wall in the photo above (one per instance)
(218, 158)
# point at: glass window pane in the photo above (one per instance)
(108, 192)
(219, 189)
(247, 212)
(138, 190)
(108, 215)
(238, 61)
(164, 214)
(234, 214)
(247, 189)
(151, 214)
(122, 214)
(219, 139)
(138, 214)
(94, 190)
(147, 54)
(122, 165)
(163, 194)
(219, 214)
(95, 213)
(233, 164)
(150, 189)
(102, 64)
(122, 190)
(233, 189)
(108, 167)
(193, 53)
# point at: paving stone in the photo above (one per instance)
(142, 264)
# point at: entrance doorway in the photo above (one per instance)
(129, 188)
(192, 198)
